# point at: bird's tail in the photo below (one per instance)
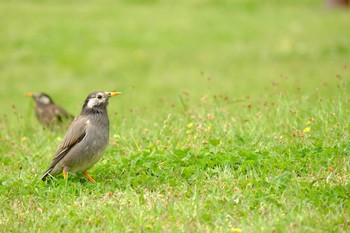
(46, 174)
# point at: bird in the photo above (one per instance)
(86, 138)
(47, 112)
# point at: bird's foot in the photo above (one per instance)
(89, 177)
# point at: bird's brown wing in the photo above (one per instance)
(76, 132)
(61, 113)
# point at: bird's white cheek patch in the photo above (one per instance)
(91, 103)
(44, 100)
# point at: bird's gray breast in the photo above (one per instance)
(88, 151)
(97, 135)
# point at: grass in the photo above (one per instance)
(234, 116)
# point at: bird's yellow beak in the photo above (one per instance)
(111, 94)
(29, 94)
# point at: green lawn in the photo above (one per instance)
(234, 115)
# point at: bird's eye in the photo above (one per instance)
(99, 96)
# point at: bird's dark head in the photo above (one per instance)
(97, 101)
(40, 98)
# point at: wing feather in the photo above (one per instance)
(61, 113)
(76, 132)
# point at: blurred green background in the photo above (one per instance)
(155, 51)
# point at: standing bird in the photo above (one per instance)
(86, 139)
(47, 111)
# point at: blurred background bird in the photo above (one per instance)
(47, 112)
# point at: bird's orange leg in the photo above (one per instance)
(65, 174)
(89, 177)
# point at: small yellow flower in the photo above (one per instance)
(307, 130)
(235, 229)
(209, 127)
(190, 125)
(23, 139)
